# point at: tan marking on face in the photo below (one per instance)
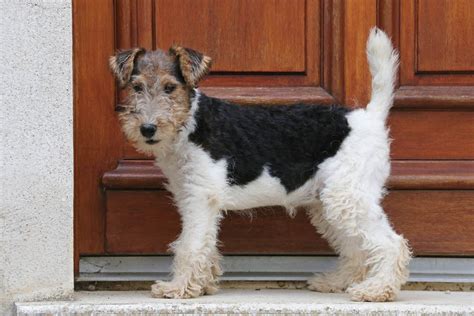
(160, 99)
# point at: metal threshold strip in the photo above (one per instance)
(262, 268)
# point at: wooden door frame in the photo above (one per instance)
(345, 25)
(93, 43)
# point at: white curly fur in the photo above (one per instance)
(342, 200)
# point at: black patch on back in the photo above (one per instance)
(291, 141)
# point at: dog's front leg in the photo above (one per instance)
(196, 261)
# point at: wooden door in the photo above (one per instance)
(273, 52)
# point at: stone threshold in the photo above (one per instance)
(261, 285)
(252, 302)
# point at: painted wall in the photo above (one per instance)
(36, 151)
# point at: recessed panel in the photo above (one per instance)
(432, 135)
(240, 36)
(445, 33)
(145, 222)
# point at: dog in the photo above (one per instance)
(217, 156)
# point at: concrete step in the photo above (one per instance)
(253, 302)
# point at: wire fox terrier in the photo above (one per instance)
(218, 156)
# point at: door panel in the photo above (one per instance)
(435, 40)
(432, 134)
(451, 48)
(272, 32)
(282, 37)
(149, 226)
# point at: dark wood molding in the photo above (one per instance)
(271, 96)
(438, 97)
(432, 175)
(332, 40)
(134, 175)
(409, 174)
(134, 23)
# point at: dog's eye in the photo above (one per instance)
(138, 88)
(169, 88)
(120, 108)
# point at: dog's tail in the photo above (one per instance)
(383, 64)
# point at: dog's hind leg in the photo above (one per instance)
(387, 259)
(350, 268)
(360, 223)
(196, 261)
(351, 192)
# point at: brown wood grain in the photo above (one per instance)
(440, 89)
(271, 96)
(451, 49)
(134, 24)
(440, 97)
(140, 222)
(359, 18)
(435, 223)
(96, 148)
(333, 49)
(270, 79)
(410, 27)
(240, 77)
(270, 34)
(432, 134)
(432, 175)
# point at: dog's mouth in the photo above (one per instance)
(151, 141)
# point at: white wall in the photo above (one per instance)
(36, 151)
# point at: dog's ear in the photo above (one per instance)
(122, 64)
(193, 65)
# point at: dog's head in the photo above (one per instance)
(160, 86)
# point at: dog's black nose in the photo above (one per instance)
(148, 130)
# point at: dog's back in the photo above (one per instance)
(291, 141)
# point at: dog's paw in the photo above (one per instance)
(322, 283)
(172, 289)
(369, 291)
